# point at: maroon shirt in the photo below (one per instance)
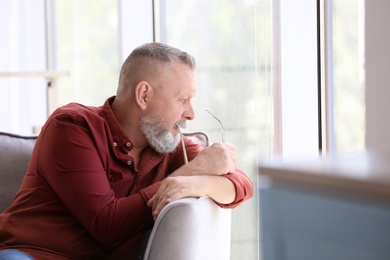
(82, 197)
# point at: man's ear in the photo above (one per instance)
(143, 93)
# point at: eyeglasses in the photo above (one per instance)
(220, 125)
(182, 139)
(183, 146)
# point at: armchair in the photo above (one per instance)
(190, 229)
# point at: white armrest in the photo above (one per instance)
(190, 229)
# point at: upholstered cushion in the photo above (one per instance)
(190, 229)
(15, 152)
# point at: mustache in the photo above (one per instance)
(181, 123)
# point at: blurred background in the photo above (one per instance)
(284, 77)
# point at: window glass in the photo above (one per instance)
(231, 41)
(22, 62)
(86, 45)
(348, 75)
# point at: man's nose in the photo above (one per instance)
(189, 113)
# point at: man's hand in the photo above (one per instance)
(217, 159)
(200, 177)
(218, 188)
(174, 188)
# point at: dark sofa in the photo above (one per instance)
(15, 152)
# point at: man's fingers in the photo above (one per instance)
(159, 207)
(172, 188)
(151, 201)
(162, 196)
(230, 146)
(163, 200)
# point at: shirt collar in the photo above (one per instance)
(118, 135)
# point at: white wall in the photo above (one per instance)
(377, 44)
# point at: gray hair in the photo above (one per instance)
(149, 60)
(163, 53)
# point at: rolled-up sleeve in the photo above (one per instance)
(243, 186)
(242, 183)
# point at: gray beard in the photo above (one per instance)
(158, 137)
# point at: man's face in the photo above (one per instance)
(170, 109)
(162, 140)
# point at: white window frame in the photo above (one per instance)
(297, 125)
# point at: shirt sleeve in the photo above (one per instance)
(242, 183)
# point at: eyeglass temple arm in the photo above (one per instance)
(220, 125)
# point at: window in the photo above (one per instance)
(92, 41)
(22, 57)
(296, 57)
(348, 75)
(231, 41)
(260, 66)
(85, 43)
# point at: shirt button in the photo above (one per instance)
(128, 144)
(115, 144)
(128, 162)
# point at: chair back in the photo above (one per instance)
(191, 228)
